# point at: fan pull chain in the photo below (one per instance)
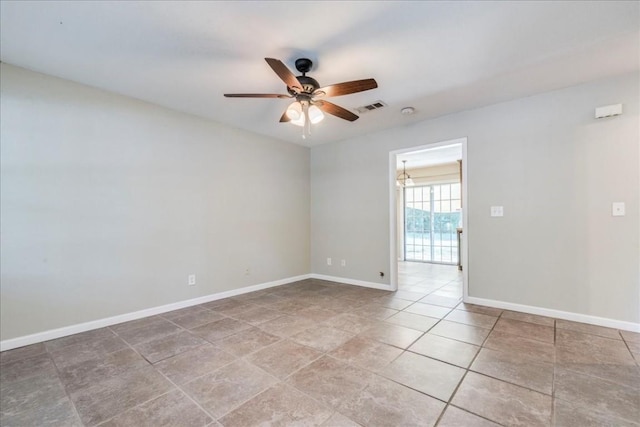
(306, 129)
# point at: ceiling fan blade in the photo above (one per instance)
(256, 95)
(346, 88)
(284, 117)
(284, 73)
(336, 110)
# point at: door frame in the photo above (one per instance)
(393, 216)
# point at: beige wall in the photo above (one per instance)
(554, 168)
(109, 203)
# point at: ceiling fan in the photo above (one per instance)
(309, 103)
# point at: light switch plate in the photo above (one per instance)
(497, 210)
(617, 209)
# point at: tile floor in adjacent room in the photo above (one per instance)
(318, 353)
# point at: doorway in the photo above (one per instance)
(428, 217)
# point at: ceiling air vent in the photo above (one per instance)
(375, 106)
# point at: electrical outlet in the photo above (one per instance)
(617, 209)
(497, 211)
(192, 279)
(328, 261)
(343, 263)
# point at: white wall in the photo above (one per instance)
(553, 167)
(109, 203)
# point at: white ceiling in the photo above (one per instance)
(430, 157)
(439, 57)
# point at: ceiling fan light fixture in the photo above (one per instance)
(294, 112)
(315, 115)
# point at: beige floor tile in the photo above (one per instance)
(471, 318)
(424, 374)
(194, 363)
(287, 325)
(339, 420)
(104, 400)
(246, 342)
(412, 321)
(523, 347)
(429, 310)
(460, 332)
(223, 304)
(220, 329)
(22, 353)
(385, 403)
(168, 346)
(330, 381)
(284, 358)
(173, 409)
(526, 317)
(570, 338)
(588, 329)
(590, 359)
(456, 417)
(374, 311)
(567, 415)
(174, 314)
(84, 374)
(59, 413)
(597, 394)
(393, 302)
(145, 322)
(445, 349)
(160, 328)
(238, 310)
(81, 338)
(74, 354)
(511, 368)
(196, 318)
(395, 335)
(322, 338)
(489, 311)
(221, 391)
(409, 296)
(318, 313)
(349, 322)
(21, 370)
(20, 400)
(525, 329)
(366, 353)
(629, 336)
(281, 405)
(502, 402)
(440, 300)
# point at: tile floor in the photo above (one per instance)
(315, 353)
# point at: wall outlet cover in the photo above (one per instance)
(497, 210)
(617, 209)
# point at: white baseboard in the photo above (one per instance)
(351, 281)
(101, 323)
(558, 314)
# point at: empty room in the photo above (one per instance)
(308, 213)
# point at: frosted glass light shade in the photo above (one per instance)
(294, 112)
(315, 114)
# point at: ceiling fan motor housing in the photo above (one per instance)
(309, 85)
